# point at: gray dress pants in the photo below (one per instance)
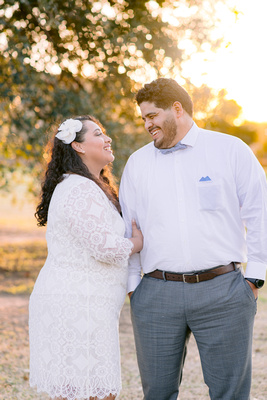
(220, 314)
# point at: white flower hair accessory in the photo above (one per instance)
(67, 130)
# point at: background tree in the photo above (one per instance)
(215, 112)
(66, 58)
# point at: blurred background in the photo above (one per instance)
(59, 59)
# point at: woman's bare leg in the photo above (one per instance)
(110, 397)
(59, 398)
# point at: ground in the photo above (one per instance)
(14, 371)
(14, 347)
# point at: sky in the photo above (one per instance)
(240, 65)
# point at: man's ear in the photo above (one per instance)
(77, 147)
(178, 108)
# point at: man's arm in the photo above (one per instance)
(127, 196)
(252, 193)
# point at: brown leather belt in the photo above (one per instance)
(194, 277)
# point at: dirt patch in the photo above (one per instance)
(13, 235)
(14, 347)
(15, 357)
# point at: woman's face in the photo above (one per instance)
(96, 148)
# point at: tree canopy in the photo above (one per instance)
(65, 58)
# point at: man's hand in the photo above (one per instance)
(254, 289)
(130, 294)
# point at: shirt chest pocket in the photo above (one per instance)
(210, 196)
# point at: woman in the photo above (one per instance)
(76, 301)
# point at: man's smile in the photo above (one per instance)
(154, 131)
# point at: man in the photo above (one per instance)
(200, 198)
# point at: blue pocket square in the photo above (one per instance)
(207, 178)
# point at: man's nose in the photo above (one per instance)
(148, 125)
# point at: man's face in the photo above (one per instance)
(160, 124)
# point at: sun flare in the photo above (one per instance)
(240, 65)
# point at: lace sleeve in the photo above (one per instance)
(90, 221)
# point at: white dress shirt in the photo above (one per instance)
(198, 207)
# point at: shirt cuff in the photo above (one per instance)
(255, 270)
(133, 282)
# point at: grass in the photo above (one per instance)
(20, 265)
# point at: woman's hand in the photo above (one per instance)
(137, 238)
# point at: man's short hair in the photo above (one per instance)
(163, 93)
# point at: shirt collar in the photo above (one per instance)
(191, 136)
(189, 139)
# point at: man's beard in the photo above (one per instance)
(169, 129)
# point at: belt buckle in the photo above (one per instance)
(193, 273)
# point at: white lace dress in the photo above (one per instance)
(77, 298)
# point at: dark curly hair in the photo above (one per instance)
(163, 93)
(64, 159)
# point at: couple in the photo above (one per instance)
(200, 200)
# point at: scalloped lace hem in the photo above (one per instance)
(73, 393)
